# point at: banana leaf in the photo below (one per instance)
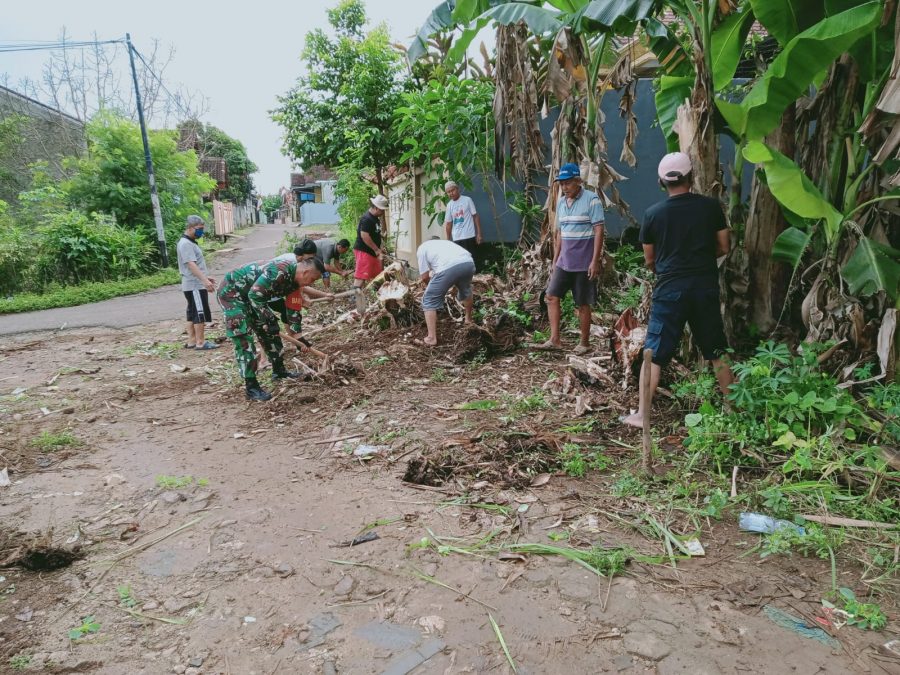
(539, 20)
(873, 267)
(671, 93)
(440, 19)
(790, 246)
(727, 43)
(793, 190)
(785, 19)
(803, 60)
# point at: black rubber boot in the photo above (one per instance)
(257, 393)
(279, 372)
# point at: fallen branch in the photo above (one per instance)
(836, 521)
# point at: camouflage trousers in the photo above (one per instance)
(241, 321)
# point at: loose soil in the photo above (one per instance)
(207, 531)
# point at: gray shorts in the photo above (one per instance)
(584, 290)
(459, 275)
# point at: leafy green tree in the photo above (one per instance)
(112, 179)
(341, 110)
(11, 163)
(448, 127)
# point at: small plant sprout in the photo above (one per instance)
(88, 626)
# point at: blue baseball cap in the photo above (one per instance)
(567, 171)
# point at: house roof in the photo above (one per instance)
(312, 175)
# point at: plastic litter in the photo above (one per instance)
(799, 626)
(757, 522)
(366, 450)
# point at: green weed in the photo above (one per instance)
(483, 404)
(439, 375)
(88, 626)
(629, 486)
(867, 616)
(49, 441)
(379, 361)
(20, 661)
(577, 462)
(174, 482)
(126, 596)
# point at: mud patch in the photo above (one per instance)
(34, 553)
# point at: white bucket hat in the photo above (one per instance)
(380, 202)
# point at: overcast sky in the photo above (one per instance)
(240, 55)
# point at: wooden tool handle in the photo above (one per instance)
(302, 347)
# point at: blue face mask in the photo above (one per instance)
(198, 233)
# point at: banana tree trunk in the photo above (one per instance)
(696, 132)
(768, 281)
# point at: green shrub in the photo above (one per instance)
(16, 253)
(75, 248)
(354, 193)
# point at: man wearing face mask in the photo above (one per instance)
(195, 284)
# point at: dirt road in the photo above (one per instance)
(156, 305)
(214, 533)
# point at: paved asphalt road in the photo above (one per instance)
(156, 305)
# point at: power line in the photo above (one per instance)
(176, 100)
(33, 46)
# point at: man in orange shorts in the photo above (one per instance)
(367, 249)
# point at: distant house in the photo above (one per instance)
(47, 135)
(314, 185)
(214, 167)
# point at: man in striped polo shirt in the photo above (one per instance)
(577, 255)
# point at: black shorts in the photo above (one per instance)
(671, 309)
(198, 306)
(584, 290)
(471, 245)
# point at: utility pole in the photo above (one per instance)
(154, 196)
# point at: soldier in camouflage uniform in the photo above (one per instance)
(243, 295)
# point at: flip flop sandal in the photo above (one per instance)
(547, 347)
(207, 345)
(581, 350)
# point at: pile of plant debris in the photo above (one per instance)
(510, 459)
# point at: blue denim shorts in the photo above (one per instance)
(459, 275)
(671, 309)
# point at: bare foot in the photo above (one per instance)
(634, 420)
(430, 341)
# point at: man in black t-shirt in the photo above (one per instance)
(682, 237)
(367, 249)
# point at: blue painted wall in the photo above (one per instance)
(640, 190)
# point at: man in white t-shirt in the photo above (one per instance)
(444, 264)
(461, 221)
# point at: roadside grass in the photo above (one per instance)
(49, 441)
(72, 296)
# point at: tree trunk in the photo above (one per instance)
(379, 180)
(696, 132)
(765, 222)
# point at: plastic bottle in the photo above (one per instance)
(757, 522)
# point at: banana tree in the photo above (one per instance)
(871, 268)
(576, 40)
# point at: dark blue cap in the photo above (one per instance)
(567, 171)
